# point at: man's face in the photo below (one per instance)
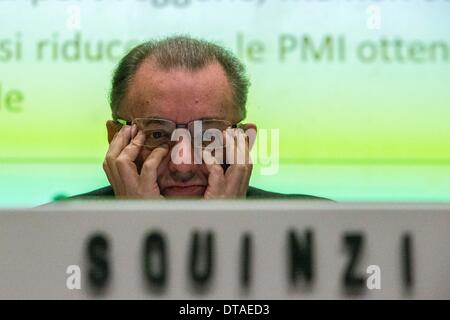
(181, 96)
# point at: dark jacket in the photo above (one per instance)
(252, 193)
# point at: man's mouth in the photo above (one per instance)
(184, 191)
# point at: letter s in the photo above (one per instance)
(98, 260)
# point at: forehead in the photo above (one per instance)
(179, 94)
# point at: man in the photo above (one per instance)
(163, 86)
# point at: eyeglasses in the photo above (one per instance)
(159, 131)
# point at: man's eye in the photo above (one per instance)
(156, 134)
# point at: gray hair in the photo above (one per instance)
(185, 52)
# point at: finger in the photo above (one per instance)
(238, 175)
(245, 181)
(235, 141)
(244, 148)
(109, 175)
(120, 140)
(251, 136)
(134, 130)
(249, 167)
(150, 167)
(131, 151)
(230, 146)
(235, 178)
(240, 139)
(216, 179)
(125, 162)
(113, 178)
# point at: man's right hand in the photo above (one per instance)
(121, 169)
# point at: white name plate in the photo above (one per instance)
(225, 250)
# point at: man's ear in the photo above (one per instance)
(250, 129)
(112, 128)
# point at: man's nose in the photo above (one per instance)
(182, 172)
(184, 162)
(182, 167)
